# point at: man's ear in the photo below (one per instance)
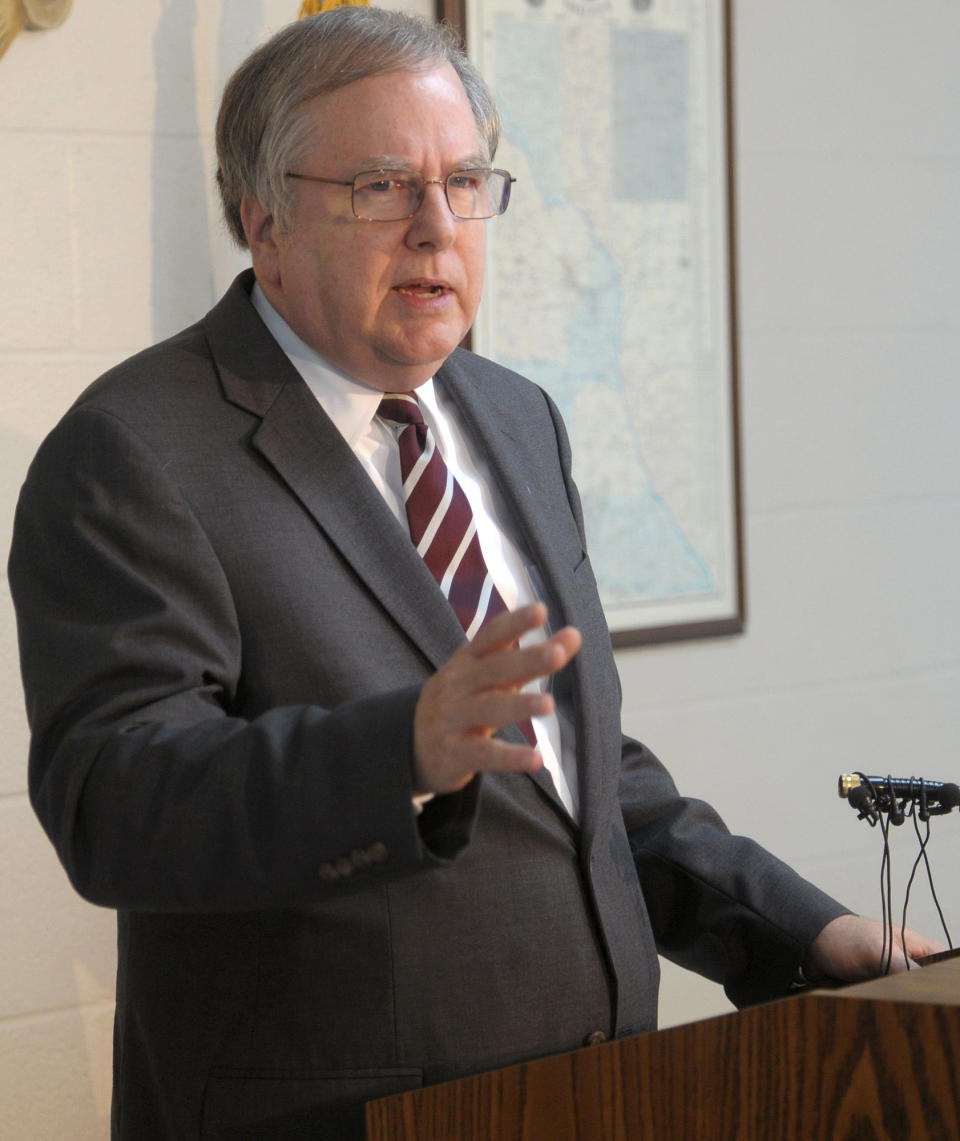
(260, 230)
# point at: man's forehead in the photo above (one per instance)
(386, 120)
(436, 78)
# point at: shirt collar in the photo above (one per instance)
(349, 403)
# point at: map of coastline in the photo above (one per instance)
(597, 128)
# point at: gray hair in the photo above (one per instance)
(261, 130)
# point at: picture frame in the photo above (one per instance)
(611, 282)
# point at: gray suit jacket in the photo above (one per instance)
(223, 635)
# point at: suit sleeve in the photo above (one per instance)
(719, 904)
(156, 791)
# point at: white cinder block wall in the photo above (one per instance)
(848, 165)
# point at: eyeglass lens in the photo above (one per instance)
(387, 196)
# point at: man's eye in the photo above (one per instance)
(468, 180)
(395, 184)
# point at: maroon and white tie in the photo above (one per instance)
(441, 523)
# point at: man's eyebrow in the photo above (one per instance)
(397, 162)
(472, 162)
(388, 162)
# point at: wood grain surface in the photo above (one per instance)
(874, 1062)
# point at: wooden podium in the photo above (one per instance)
(875, 1061)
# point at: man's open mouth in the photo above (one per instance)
(421, 289)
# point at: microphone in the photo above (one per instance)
(872, 794)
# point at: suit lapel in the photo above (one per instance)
(307, 451)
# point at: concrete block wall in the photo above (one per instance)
(848, 174)
(848, 171)
(112, 241)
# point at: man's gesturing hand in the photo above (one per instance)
(476, 693)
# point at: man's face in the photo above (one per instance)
(387, 302)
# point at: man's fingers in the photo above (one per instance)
(480, 716)
(919, 946)
(493, 709)
(493, 755)
(513, 669)
(852, 947)
(508, 628)
(448, 758)
(564, 646)
(498, 661)
(504, 632)
(479, 691)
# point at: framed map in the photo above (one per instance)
(610, 283)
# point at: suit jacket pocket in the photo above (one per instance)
(263, 1105)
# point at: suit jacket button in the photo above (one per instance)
(377, 852)
(344, 866)
(595, 1039)
(328, 872)
(367, 857)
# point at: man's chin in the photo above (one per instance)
(417, 360)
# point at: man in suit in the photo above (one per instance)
(342, 867)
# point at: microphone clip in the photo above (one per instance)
(897, 797)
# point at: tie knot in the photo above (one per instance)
(401, 408)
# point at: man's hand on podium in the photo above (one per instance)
(851, 949)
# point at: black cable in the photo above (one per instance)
(880, 806)
(933, 891)
(886, 882)
(886, 898)
(921, 855)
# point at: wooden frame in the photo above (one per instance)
(687, 580)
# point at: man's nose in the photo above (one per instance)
(433, 224)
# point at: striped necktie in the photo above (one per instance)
(441, 523)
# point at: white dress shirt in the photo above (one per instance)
(352, 406)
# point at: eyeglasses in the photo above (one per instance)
(393, 195)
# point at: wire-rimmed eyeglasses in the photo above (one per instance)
(394, 195)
